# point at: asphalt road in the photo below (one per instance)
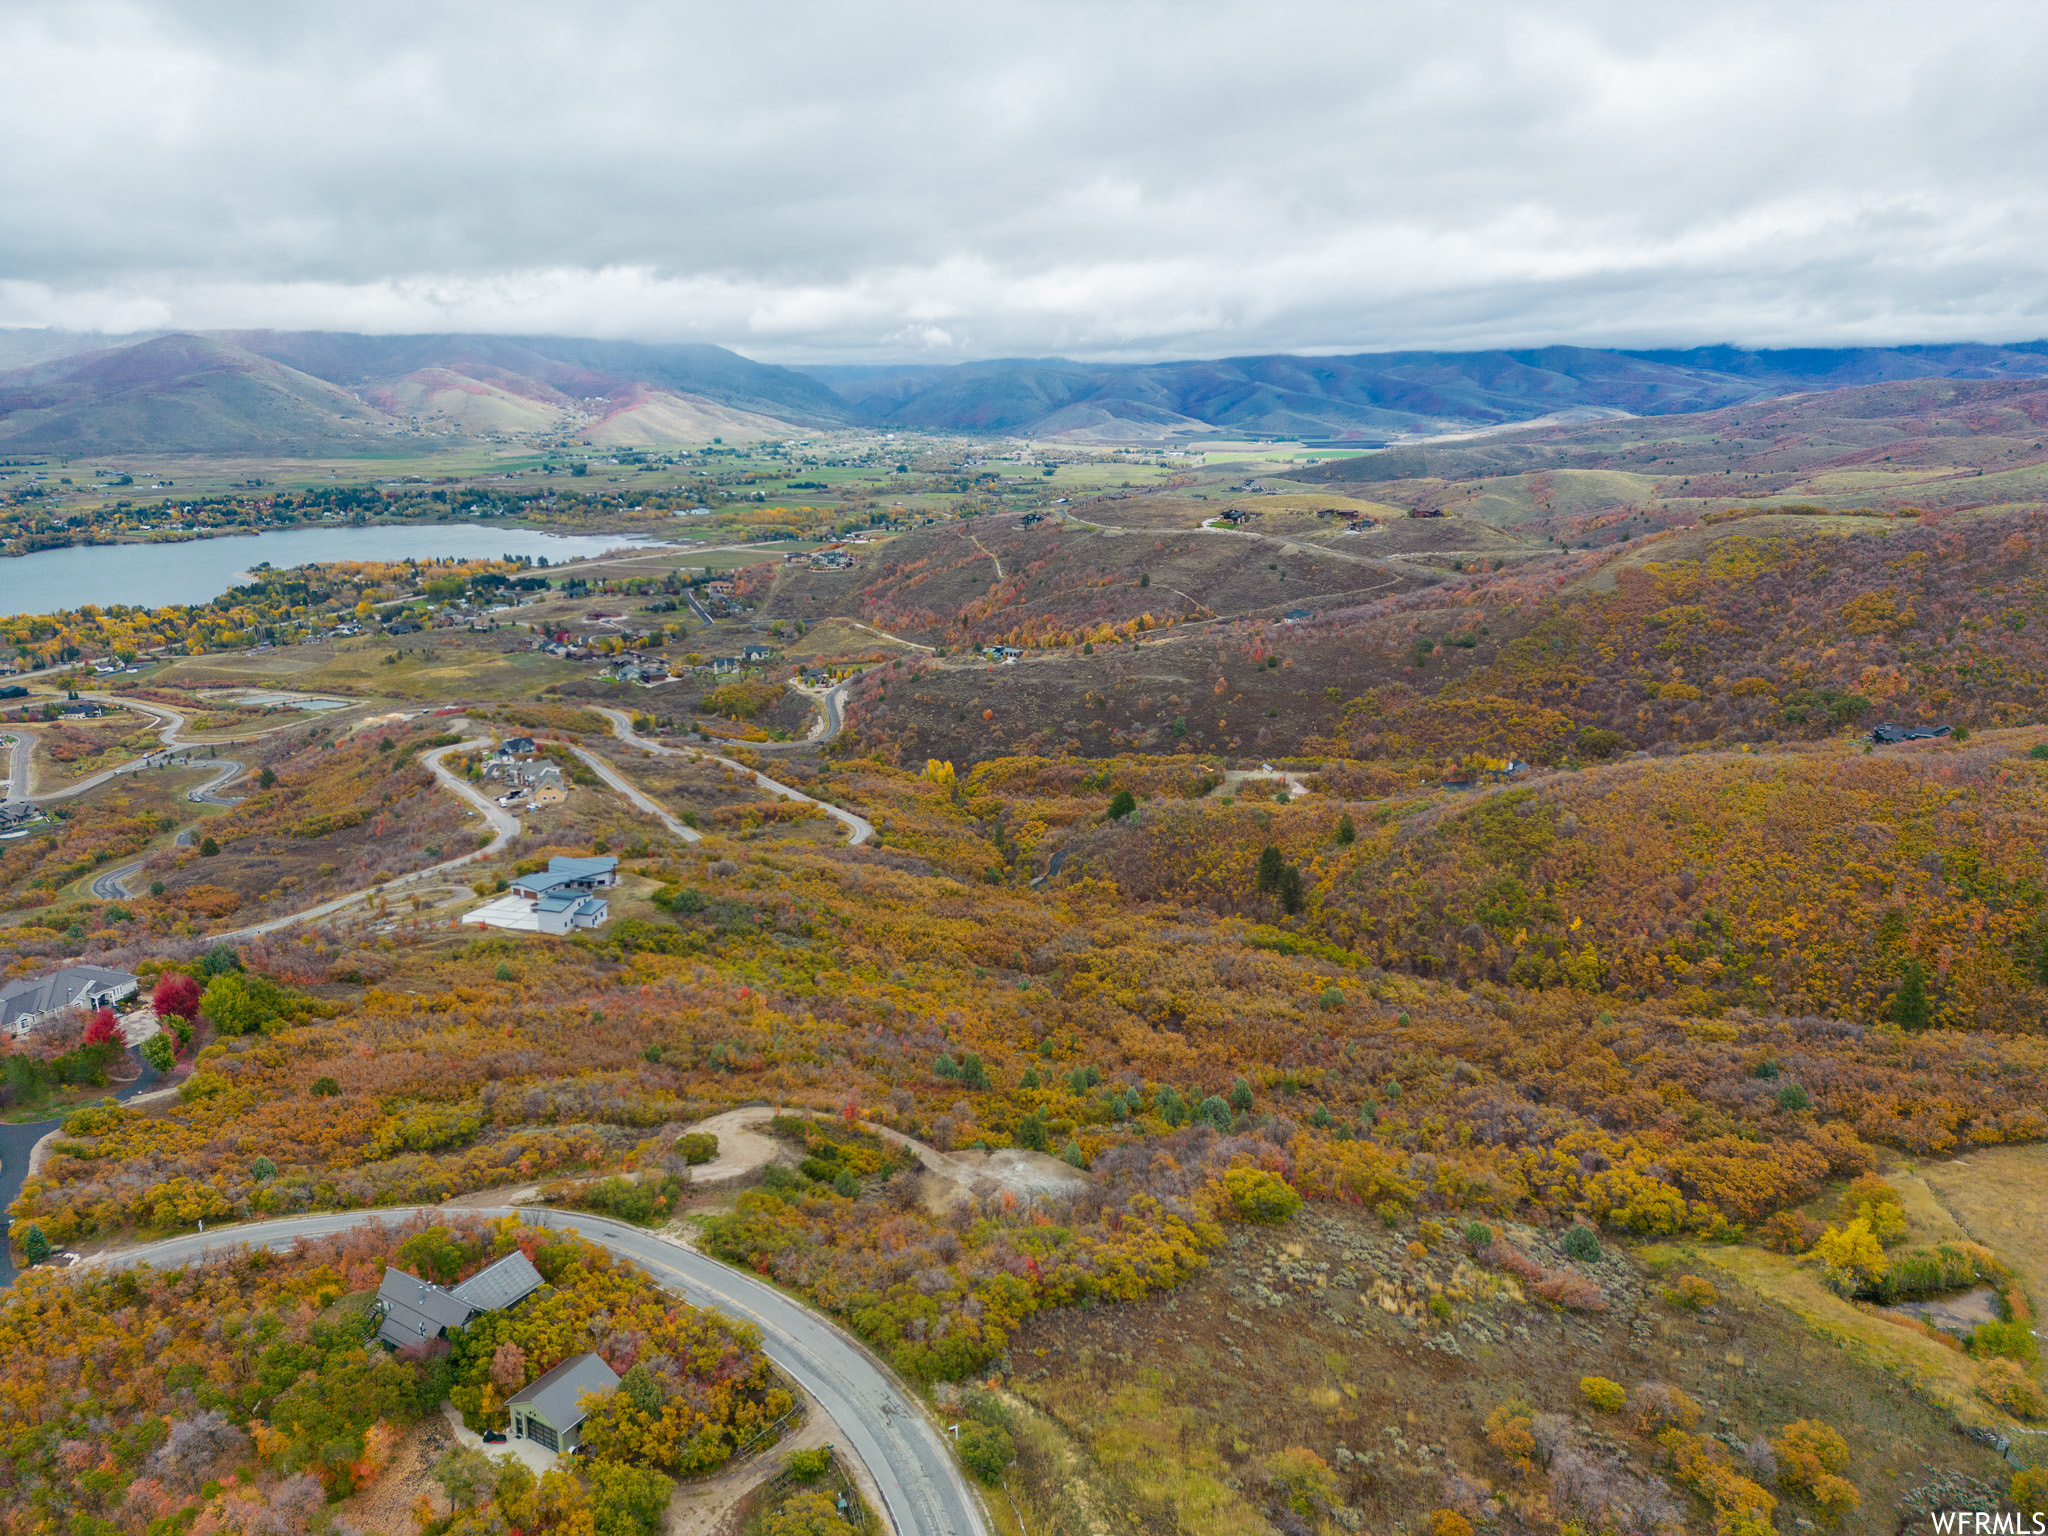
(17, 1141)
(622, 727)
(504, 827)
(923, 1491)
(611, 776)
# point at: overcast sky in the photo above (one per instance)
(884, 182)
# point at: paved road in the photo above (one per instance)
(923, 1491)
(610, 775)
(504, 827)
(18, 1141)
(622, 727)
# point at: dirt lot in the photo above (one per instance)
(1319, 1335)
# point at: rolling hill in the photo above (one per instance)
(337, 394)
(1371, 397)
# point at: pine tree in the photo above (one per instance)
(1270, 865)
(1910, 1010)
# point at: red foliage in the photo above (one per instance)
(102, 1027)
(176, 993)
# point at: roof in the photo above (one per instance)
(554, 1396)
(581, 869)
(510, 1279)
(59, 989)
(416, 1309)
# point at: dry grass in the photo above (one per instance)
(1999, 1197)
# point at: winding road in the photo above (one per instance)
(860, 828)
(923, 1491)
(504, 827)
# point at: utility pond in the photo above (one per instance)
(199, 569)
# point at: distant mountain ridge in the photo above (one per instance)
(335, 393)
(340, 393)
(1377, 395)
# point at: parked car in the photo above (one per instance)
(494, 1437)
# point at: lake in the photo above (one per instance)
(156, 575)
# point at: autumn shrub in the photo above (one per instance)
(1812, 1456)
(1448, 1522)
(1599, 1392)
(1303, 1479)
(1692, 1293)
(2029, 1487)
(806, 1514)
(2012, 1340)
(1260, 1196)
(1789, 1232)
(2010, 1386)
(1741, 1507)
(1660, 1406)
(1575, 1293)
(808, 1465)
(985, 1450)
(1508, 1432)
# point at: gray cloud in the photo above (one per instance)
(810, 182)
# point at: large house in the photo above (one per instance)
(415, 1310)
(25, 1004)
(555, 900)
(549, 1411)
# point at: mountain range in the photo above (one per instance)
(336, 393)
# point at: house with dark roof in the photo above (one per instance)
(549, 1412)
(1891, 735)
(416, 1310)
(25, 1004)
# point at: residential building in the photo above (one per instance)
(750, 654)
(557, 900)
(549, 1411)
(415, 1310)
(25, 1004)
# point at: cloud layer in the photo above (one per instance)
(834, 182)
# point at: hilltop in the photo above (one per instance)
(334, 392)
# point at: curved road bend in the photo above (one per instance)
(504, 827)
(923, 1491)
(622, 727)
(18, 1141)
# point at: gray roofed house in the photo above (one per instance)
(416, 1310)
(512, 1278)
(25, 1004)
(549, 1412)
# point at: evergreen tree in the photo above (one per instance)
(1910, 1009)
(1270, 865)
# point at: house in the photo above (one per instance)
(725, 664)
(548, 787)
(754, 653)
(25, 1004)
(1890, 735)
(18, 813)
(516, 746)
(81, 709)
(549, 1411)
(1296, 615)
(580, 875)
(415, 1310)
(558, 899)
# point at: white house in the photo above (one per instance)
(555, 900)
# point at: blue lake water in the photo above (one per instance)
(155, 575)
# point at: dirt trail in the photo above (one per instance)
(742, 1150)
